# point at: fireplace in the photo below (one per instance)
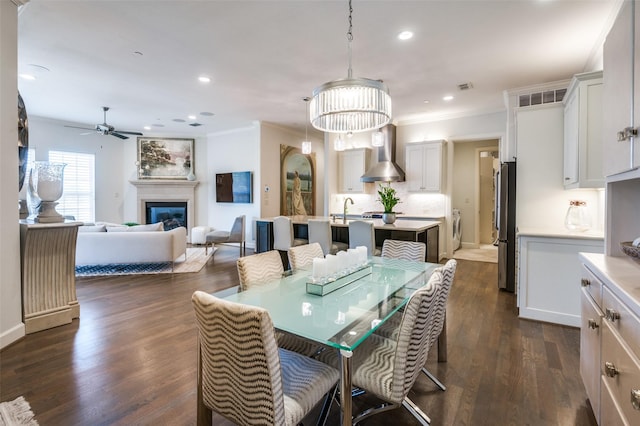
(171, 213)
(171, 192)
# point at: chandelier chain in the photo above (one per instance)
(350, 39)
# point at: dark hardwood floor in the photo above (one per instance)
(131, 360)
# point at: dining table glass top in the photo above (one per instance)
(345, 317)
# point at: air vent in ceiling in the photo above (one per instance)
(538, 98)
(195, 124)
(465, 86)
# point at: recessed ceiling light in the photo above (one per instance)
(405, 35)
(204, 79)
(192, 117)
(426, 101)
(447, 98)
(147, 127)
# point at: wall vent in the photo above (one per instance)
(539, 98)
(465, 86)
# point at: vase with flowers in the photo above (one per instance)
(389, 200)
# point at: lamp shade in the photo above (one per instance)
(350, 105)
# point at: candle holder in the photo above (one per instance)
(46, 184)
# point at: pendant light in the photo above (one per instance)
(338, 143)
(350, 104)
(306, 144)
(377, 138)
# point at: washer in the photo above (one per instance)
(457, 230)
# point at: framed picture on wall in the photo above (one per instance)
(297, 182)
(165, 158)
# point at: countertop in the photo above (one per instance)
(621, 276)
(399, 225)
(399, 216)
(560, 233)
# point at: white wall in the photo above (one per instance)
(11, 325)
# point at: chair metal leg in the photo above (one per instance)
(385, 406)
(326, 406)
(434, 379)
(416, 412)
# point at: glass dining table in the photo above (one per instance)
(341, 319)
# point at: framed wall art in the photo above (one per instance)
(165, 158)
(297, 182)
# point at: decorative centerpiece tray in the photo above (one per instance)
(326, 286)
(630, 250)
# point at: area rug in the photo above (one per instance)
(16, 413)
(196, 259)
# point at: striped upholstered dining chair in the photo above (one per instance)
(302, 256)
(243, 376)
(388, 368)
(407, 250)
(391, 328)
(259, 269)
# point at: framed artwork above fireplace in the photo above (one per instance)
(165, 158)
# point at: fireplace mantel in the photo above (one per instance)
(166, 190)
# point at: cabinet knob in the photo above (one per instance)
(593, 324)
(610, 369)
(567, 178)
(612, 315)
(635, 399)
(585, 282)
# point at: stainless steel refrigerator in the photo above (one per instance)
(506, 214)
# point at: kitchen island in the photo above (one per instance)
(426, 231)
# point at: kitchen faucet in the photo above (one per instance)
(344, 209)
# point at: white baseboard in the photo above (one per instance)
(13, 334)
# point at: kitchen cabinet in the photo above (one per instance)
(612, 335)
(352, 164)
(583, 132)
(621, 82)
(424, 166)
(548, 270)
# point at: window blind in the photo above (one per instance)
(78, 198)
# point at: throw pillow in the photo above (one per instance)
(152, 227)
(92, 228)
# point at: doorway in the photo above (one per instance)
(488, 165)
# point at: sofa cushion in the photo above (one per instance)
(92, 228)
(152, 227)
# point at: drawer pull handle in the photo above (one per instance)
(610, 369)
(635, 399)
(612, 315)
(593, 324)
(585, 282)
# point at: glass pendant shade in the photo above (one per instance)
(350, 105)
(377, 138)
(338, 143)
(306, 147)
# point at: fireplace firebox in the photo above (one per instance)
(171, 213)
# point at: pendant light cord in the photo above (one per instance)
(350, 38)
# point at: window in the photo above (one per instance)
(78, 198)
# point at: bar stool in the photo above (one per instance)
(361, 233)
(283, 238)
(320, 232)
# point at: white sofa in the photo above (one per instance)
(101, 245)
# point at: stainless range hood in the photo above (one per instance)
(386, 169)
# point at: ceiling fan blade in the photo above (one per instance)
(128, 133)
(118, 135)
(83, 128)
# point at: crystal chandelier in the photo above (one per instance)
(350, 104)
(306, 144)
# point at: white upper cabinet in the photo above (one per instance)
(352, 164)
(583, 132)
(424, 166)
(620, 92)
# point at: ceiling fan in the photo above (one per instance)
(106, 129)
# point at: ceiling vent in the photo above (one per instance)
(195, 124)
(465, 86)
